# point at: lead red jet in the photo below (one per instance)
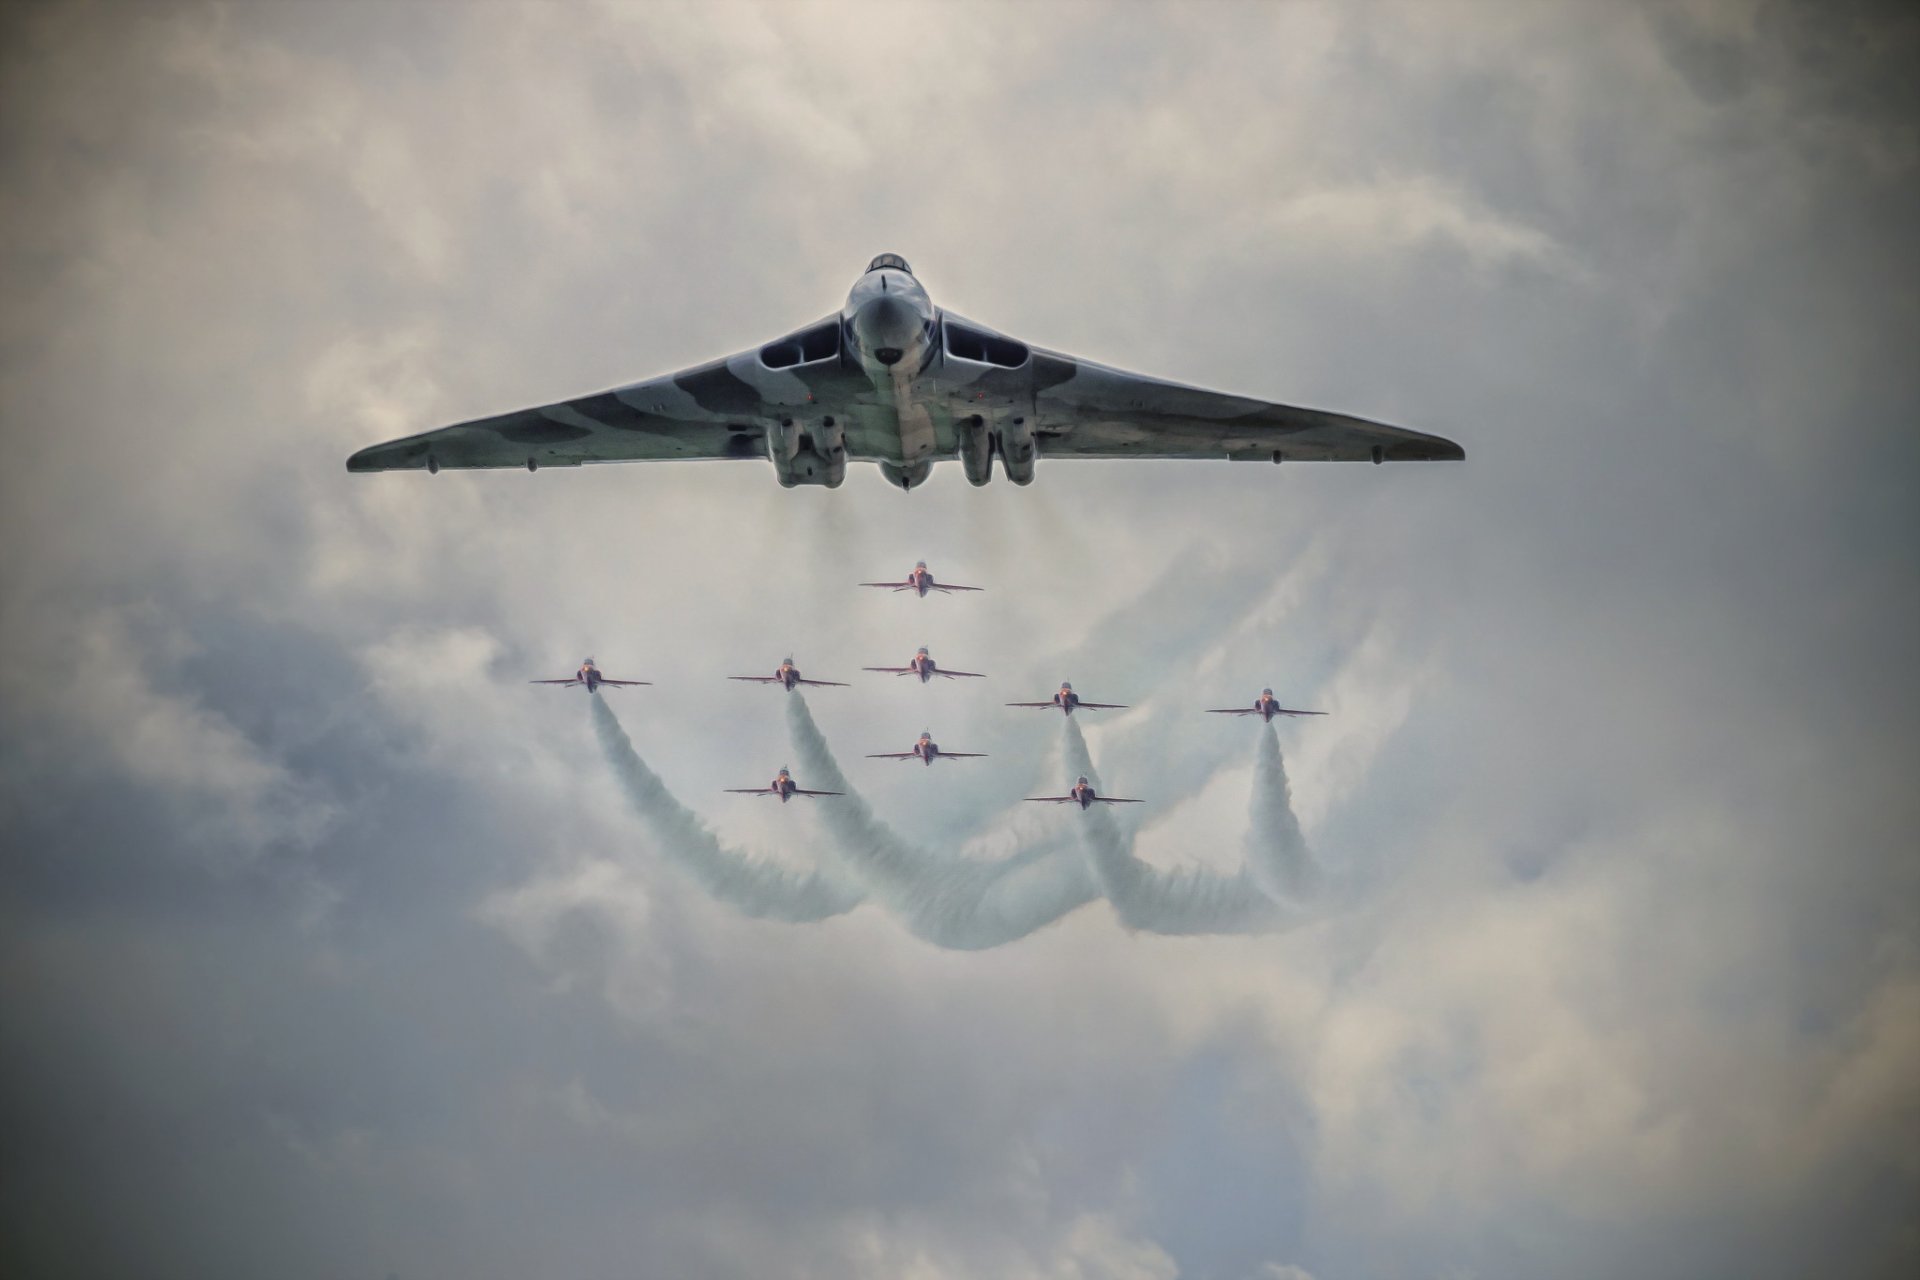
(1067, 700)
(783, 786)
(589, 677)
(787, 676)
(926, 751)
(920, 581)
(1266, 706)
(1082, 794)
(926, 668)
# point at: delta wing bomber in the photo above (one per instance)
(894, 380)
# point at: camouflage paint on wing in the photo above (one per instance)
(719, 410)
(1098, 412)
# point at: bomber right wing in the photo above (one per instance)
(715, 410)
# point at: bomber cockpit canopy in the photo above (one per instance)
(892, 260)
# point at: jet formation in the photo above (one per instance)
(925, 749)
(783, 786)
(921, 582)
(1082, 794)
(892, 379)
(787, 676)
(588, 677)
(1266, 706)
(926, 668)
(1068, 701)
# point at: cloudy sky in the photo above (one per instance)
(330, 948)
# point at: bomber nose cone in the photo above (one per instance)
(886, 326)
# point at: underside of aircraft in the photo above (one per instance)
(894, 380)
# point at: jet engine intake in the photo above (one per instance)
(1018, 450)
(976, 449)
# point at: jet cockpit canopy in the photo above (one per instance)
(893, 260)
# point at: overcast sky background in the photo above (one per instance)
(330, 948)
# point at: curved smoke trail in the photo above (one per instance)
(756, 887)
(963, 904)
(1277, 855)
(1154, 901)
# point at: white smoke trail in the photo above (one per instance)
(1154, 901)
(1205, 596)
(963, 904)
(755, 886)
(1277, 855)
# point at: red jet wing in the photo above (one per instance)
(1251, 711)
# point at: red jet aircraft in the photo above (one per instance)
(926, 751)
(1067, 700)
(1266, 706)
(589, 677)
(920, 581)
(926, 668)
(782, 786)
(1082, 794)
(787, 676)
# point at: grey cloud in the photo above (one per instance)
(367, 968)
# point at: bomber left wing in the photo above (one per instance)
(1083, 409)
(722, 409)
